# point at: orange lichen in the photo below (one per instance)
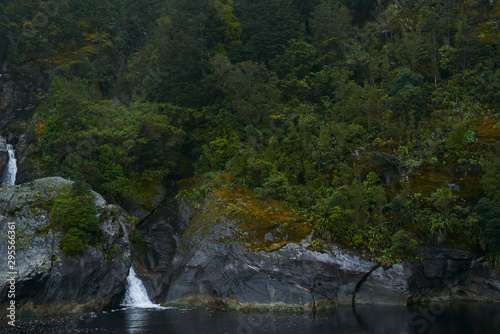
(486, 132)
(235, 214)
(40, 127)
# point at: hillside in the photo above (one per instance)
(377, 122)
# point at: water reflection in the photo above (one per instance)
(136, 319)
(386, 319)
(454, 318)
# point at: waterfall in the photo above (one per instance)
(136, 295)
(11, 170)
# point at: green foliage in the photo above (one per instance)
(490, 178)
(487, 232)
(489, 224)
(75, 213)
(408, 96)
(386, 162)
(217, 153)
(117, 149)
(275, 186)
(402, 244)
(305, 102)
(137, 241)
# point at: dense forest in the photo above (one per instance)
(376, 120)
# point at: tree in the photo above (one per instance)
(490, 178)
(331, 27)
(408, 96)
(266, 26)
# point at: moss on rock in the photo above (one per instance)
(235, 214)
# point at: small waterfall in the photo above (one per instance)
(136, 295)
(11, 171)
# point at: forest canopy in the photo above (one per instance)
(378, 120)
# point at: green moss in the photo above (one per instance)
(137, 241)
(429, 177)
(194, 190)
(145, 194)
(235, 214)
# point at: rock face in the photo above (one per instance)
(29, 165)
(20, 92)
(159, 235)
(386, 286)
(239, 249)
(246, 250)
(452, 275)
(141, 209)
(4, 156)
(47, 280)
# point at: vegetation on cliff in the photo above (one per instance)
(75, 213)
(376, 120)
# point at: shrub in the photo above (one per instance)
(489, 223)
(403, 244)
(490, 179)
(75, 213)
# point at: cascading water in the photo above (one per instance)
(136, 295)
(11, 171)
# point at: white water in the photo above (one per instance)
(11, 171)
(136, 295)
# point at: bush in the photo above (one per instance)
(489, 224)
(75, 213)
(490, 179)
(276, 186)
(403, 244)
(74, 242)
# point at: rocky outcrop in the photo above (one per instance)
(47, 280)
(154, 195)
(20, 92)
(238, 248)
(450, 275)
(155, 243)
(386, 286)
(30, 166)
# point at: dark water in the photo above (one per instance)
(434, 318)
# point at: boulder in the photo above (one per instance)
(47, 280)
(154, 195)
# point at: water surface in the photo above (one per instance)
(437, 318)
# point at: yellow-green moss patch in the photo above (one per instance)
(235, 214)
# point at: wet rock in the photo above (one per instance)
(454, 275)
(159, 235)
(386, 286)
(246, 250)
(154, 196)
(30, 166)
(20, 92)
(4, 156)
(47, 280)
